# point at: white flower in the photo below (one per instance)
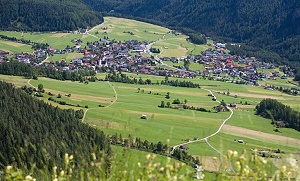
(235, 153)
(28, 177)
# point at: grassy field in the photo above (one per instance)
(13, 47)
(55, 40)
(130, 158)
(164, 124)
(68, 57)
(178, 46)
(120, 28)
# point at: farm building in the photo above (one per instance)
(144, 116)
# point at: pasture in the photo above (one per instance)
(126, 29)
(178, 46)
(13, 47)
(55, 40)
(172, 126)
(68, 57)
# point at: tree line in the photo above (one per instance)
(119, 77)
(281, 115)
(157, 148)
(34, 45)
(13, 67)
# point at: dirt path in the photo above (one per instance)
(28, 82)
(114, 101)
(116, 95)
(248, 133)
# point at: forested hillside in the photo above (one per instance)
(271, 25)
(49, 15)
(281, 115)
(35, 136)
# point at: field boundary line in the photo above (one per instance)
(114, 101)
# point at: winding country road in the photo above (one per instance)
(207, 137)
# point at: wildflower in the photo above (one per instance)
(229, 153)
(235, 153)
(264, 161)
(28, 178)
(62, 173)
(148, 156)
(93, 156)
(71, 157)
(283, 169)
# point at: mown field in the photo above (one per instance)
(174, 126)
(13, 47)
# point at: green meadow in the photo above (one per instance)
(55, 40)
(68, 57)
(126, 29)
(13, 47)
(178, 46)
(171, 126)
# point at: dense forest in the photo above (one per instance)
(35, 135)
(50, 15)
(281, 115)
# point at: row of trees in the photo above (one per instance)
(281, 115)
(119, 77)
(14, 67)
(154, 50)
(34, 45)
(157, 148)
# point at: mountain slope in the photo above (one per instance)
(48, 15)
(35, 135)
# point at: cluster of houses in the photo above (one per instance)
(219, 63)
(3, 54)
(130, 56)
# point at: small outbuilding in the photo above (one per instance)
(144, 116)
